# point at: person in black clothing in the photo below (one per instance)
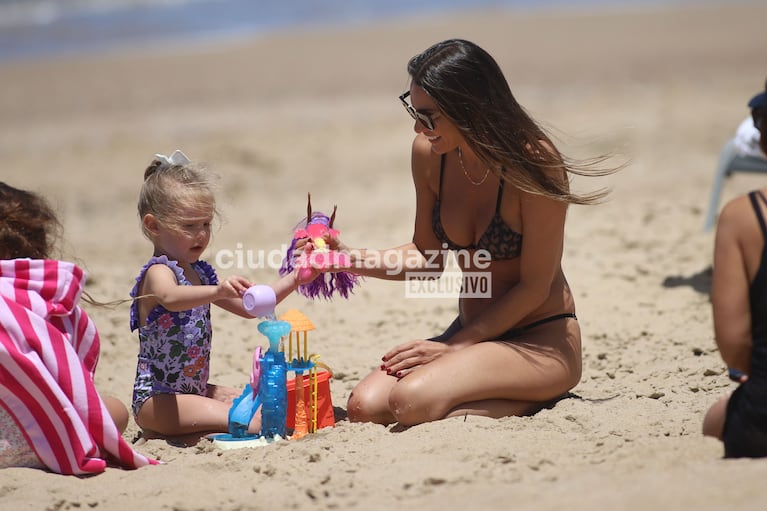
(739, 301)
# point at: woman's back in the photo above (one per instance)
(739, 286)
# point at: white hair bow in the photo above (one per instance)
(177, 158)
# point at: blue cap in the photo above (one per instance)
(758, 101)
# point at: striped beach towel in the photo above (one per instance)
(49, 348)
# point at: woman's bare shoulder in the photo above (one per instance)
(421, 150)
(738, 215)
(736, 207)
(425, 162)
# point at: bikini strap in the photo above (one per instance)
(759, 193)
(758, 210)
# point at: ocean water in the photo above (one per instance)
(44, 28)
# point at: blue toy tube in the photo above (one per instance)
(273, 393)
(242, 411)
(273, 389)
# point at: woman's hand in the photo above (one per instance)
(331, 242)
(407, 357)
(326, 258)
(335, 243)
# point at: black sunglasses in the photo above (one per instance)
(424, 119)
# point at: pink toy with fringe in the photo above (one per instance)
(316, 228)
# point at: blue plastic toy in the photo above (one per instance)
(273, 388)
(244, 407)
(268, 387)
(268, 381)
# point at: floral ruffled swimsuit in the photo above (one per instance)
(174, 347)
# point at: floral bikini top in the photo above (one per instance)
(500, 240)
(174, 347)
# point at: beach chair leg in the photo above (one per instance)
(726, 156)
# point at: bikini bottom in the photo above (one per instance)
(509, 335)
(745, 427)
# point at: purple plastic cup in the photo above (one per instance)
(259, 301)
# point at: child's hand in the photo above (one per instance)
(331, 243)
(306, 275)
(233, 287)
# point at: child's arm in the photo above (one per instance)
(289, 283)
(160, 282)
(282, 288)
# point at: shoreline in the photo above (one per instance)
(103, 32)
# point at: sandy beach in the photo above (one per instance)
(316, 111)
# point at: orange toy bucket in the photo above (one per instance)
(325, 417)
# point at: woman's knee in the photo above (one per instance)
(411, 403)
(573, 376)
(369, 403)
(357, 406)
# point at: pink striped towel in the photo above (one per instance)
(48, 354)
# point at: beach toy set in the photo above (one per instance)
(301, 404)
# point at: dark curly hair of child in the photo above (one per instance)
(28, 225)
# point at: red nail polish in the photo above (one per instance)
(399, 374)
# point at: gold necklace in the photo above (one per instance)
(475, 183)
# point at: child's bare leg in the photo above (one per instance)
(228, 395)
(182, 414)
(117, 411)
(190, 416)
(221, 393)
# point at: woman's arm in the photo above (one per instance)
(388, 264)
(729, 287)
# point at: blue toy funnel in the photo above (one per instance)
(274, 330)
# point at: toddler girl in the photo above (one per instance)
(171, 310)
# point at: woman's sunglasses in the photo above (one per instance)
(415, 114)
